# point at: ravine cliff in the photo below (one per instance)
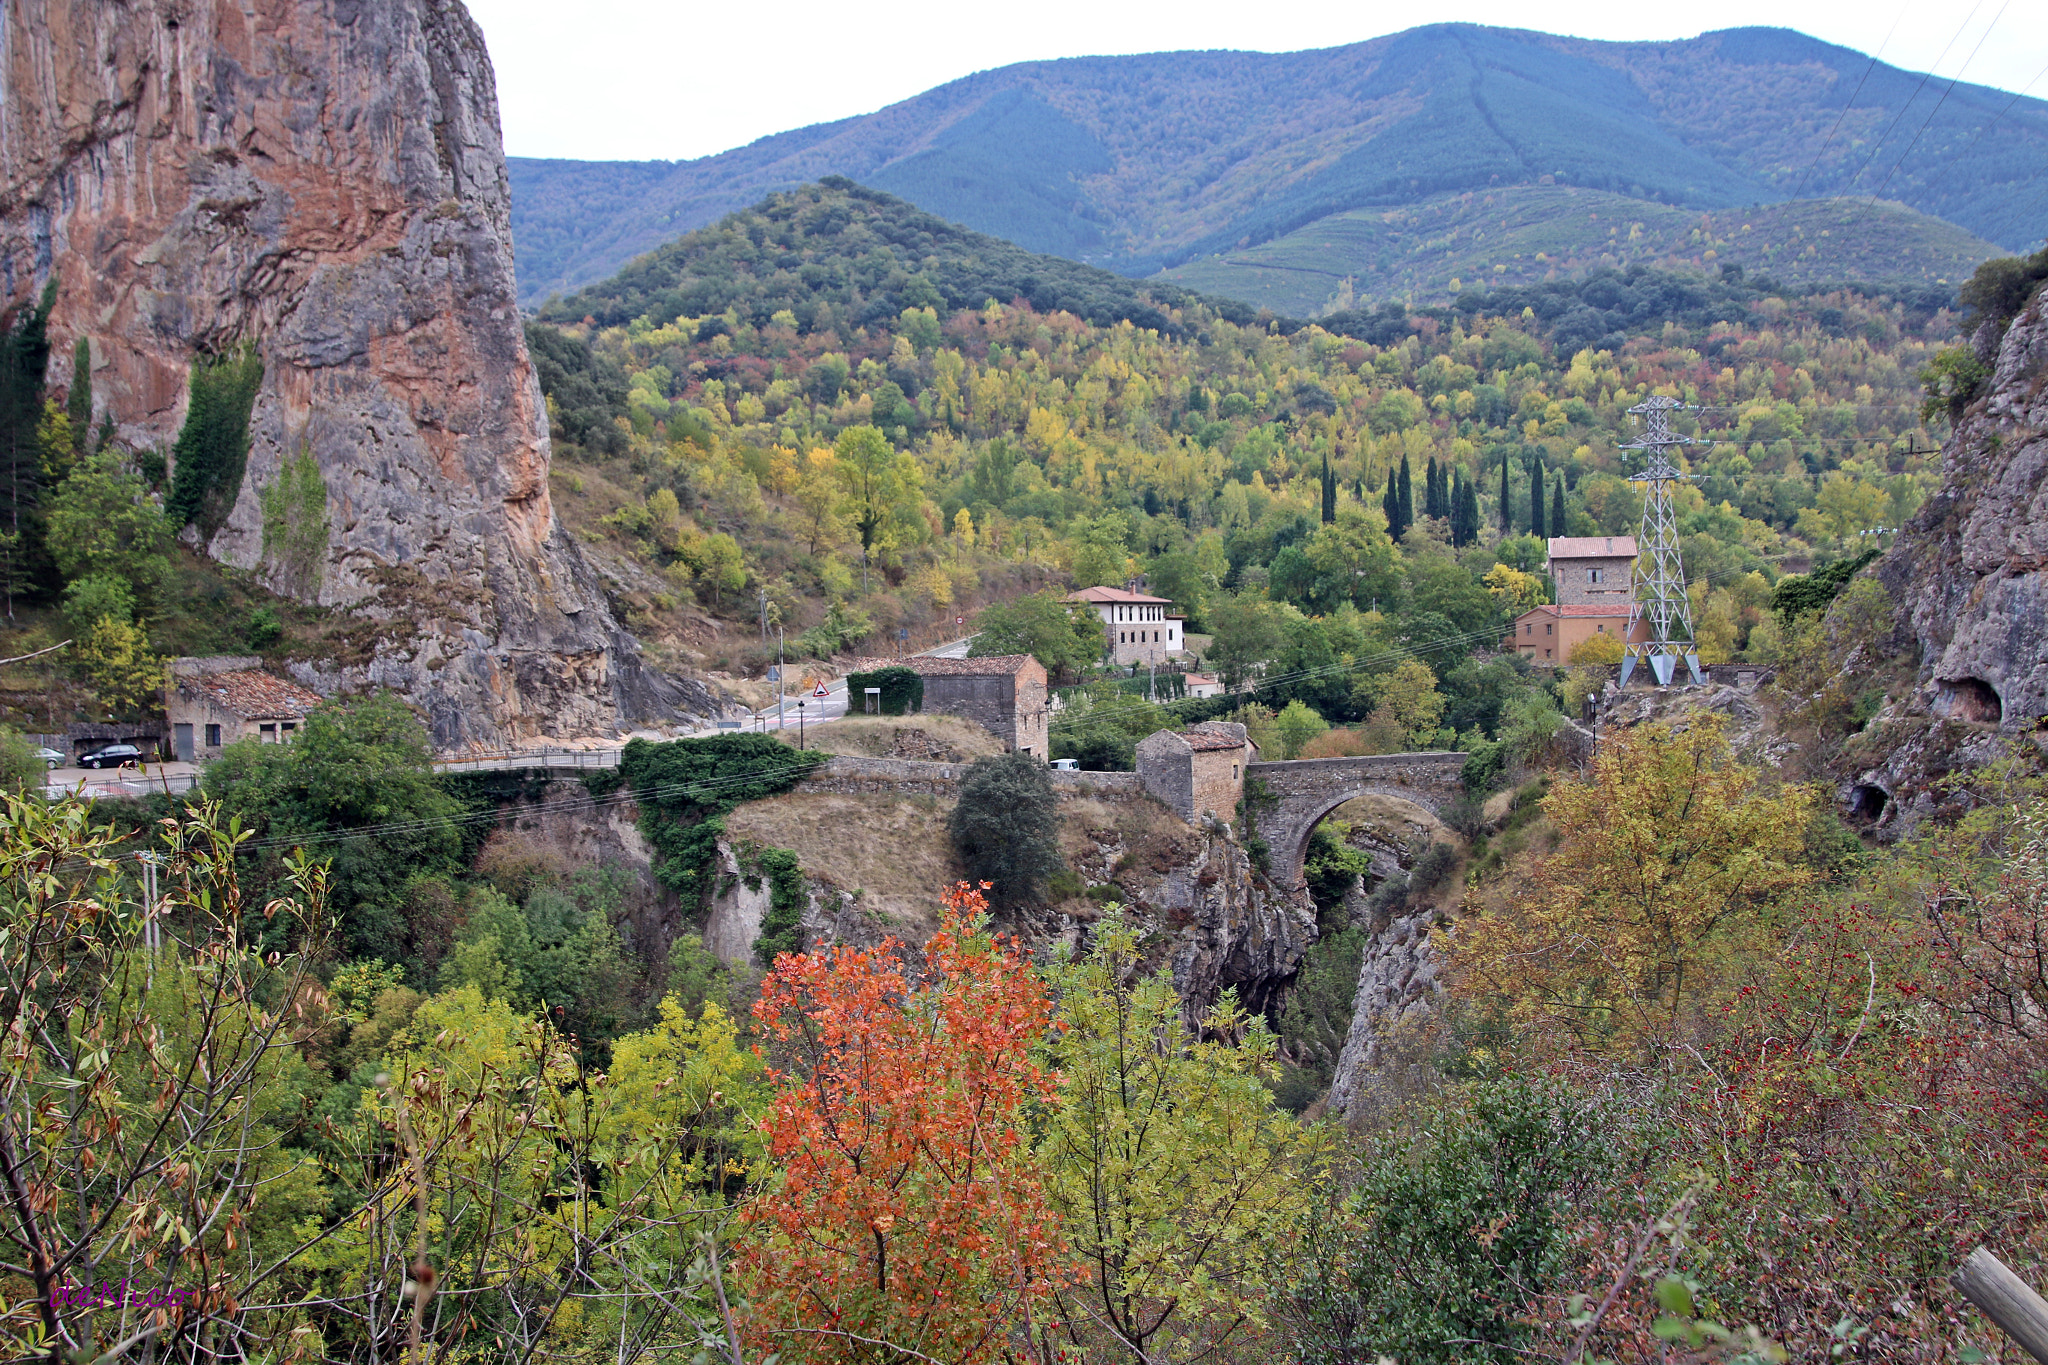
(322, 180)
(1969, 579)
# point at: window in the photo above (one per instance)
(1233, 772)
(1546, 653)
(1528, 629)
(267, 733)
(213, 736)
(1592, 575)
(290, 726)
(1600, 626)
(1546, 628)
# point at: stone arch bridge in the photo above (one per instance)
(1300, 793)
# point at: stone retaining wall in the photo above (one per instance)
(911, 777)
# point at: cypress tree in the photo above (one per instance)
(1557, 508)
(1329, 491)
(1536, 482)
(213, 445)
(1471, 510)
(1390, 503)
(1507, 505)
(1407, 498)
(80, 404)
(24, 357)
(1429, 500)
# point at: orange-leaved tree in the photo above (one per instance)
(910, 1221)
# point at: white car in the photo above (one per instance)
(51, 758)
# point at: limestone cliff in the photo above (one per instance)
(1970, 579)
(323, 180)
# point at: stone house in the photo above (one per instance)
(1204, 685)
(1200, 770)
(1547, 635)
(1592, 571)
(213, 701)
(1004, 694)
(1136, 627)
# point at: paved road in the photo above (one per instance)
(832, 705)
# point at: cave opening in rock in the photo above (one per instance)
(1971, 699)
(1867, 801)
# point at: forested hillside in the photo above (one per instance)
(873, 458)
(1426, 253)
(1142, 162)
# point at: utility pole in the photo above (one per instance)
(151, 933)
(1658, 579)
(781, 683)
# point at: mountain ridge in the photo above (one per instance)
(1143, 162)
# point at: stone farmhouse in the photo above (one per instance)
(1200, 770)
(1136, 627)
(1004, 694)
(1592, 571)
(213, 701)
(1594, 593)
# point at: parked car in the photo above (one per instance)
(113, 756)
(51, 758)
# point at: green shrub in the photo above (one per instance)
(1509, 1159)
(1006, 827)
(902, 690)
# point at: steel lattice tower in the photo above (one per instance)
(1658, 579)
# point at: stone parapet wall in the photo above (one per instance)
(911, 777)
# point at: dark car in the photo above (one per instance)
(113, 756)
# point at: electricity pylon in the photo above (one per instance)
(1657, 581)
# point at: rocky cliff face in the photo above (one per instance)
(323, 180)
(1970, 578)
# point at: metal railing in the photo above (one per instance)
(122, 782)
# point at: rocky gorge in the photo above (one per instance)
(1968, 582)
(322, 182)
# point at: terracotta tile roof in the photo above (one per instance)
(1117, 595)
(253, 694)
(1592, 547)
(993, 666)
(1214, 735)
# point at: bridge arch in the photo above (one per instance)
(1298, 794)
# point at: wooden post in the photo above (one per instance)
(2006, 1299)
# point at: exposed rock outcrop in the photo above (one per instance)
(323, 180)
(1970, 579)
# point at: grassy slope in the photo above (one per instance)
(1528, 233)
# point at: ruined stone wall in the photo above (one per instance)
(989, 700)
(1218, 780)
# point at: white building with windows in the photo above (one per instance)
(1137, 627)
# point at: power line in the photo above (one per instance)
(1950, 164)
(1839, 118)
(1925, 77)
(1928, 122)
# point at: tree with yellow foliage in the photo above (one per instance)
(1514, 590)
(1670, 857)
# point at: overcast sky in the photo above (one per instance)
(635, 79)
